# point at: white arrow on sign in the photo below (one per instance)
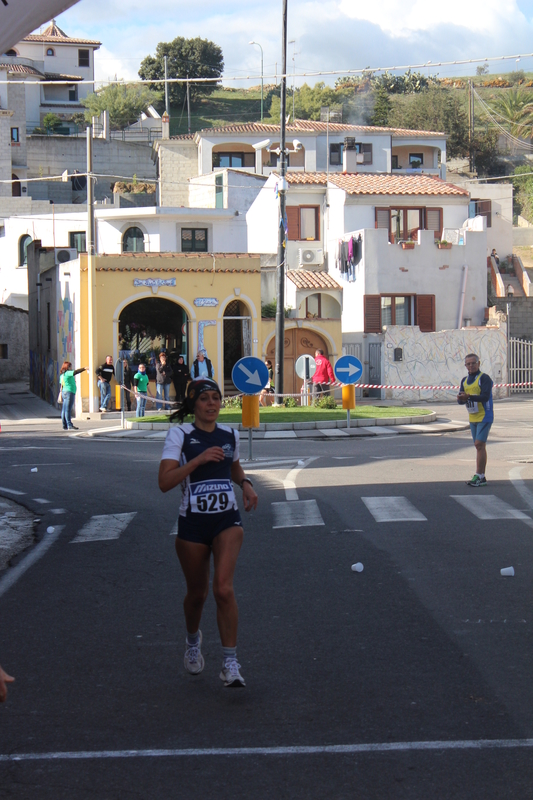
(253, 377)
(351, 369)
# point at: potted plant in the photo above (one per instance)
(442, 244)
(408, 245)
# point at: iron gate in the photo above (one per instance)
(374, 368)
(520, 364)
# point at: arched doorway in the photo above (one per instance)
(16, 190)
(298, 342)
(237, 339)
(150, 325)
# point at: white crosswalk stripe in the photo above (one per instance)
(296, 514)
(488, 506)
(102, 527)
(393, 509)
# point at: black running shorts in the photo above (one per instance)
(203, 528)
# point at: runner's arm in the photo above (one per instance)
(172, 473)
(249, 496)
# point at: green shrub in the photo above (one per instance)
(325, 402)
(290, 402)
(233, 402)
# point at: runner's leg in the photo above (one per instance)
(481, 457)
(194, 560)
(226, 548)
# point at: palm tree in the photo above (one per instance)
(516, 108)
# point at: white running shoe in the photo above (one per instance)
(230, 673)
(194, 660)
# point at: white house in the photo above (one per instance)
(66, 66)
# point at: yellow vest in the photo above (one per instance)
(476, 412)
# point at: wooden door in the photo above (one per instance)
(298, 342)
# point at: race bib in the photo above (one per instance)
(211, 497)
(472, 407)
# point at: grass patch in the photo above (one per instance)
(310, 414)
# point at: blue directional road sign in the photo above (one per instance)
(348, 369)
(249, 375)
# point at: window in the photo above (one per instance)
(416, 160)
(78, 239)
(481, 208)
(133, 241)
(313, 306)
(83, 58)
(219, 191)
(15, 138)
(366, 151)
(404, 223)
(394, 162)
(393, 309)
(235, 160)
(303, 223)
(194, 240)
(11, 53)
(50, 51)
(24, 243)
(3, 351)
(335, 154)
(73, 93)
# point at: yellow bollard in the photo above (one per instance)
(250, 411)
(348, 396)
(117, 398)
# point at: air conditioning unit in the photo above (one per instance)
(360, 158)
(64, 254)
(308, 257)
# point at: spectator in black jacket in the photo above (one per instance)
(107, 371)
(180, 378)
(127, 378)
(163, 380)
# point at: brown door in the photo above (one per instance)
(298, 342)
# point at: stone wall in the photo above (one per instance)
(521, 316)
(51, 155)
(436, 359)
(176, 166)
(14, 336)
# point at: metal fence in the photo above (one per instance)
(520, 364)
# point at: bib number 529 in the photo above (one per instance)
(212, 502)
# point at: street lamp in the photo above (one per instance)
(258, 45)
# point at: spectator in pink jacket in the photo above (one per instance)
(323, 375)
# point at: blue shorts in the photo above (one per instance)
(204, 528)
(480, 430)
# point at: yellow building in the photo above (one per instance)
(144, 302)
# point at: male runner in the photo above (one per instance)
(476, 394)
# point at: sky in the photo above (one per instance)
(329, 34)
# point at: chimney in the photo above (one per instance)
(349, 155)
(165, 126)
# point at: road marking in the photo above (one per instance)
(393, 509)
(298, 750)
(488, 506)
(296, 514)
(526, 494)
(102, 527)
(51, 464)
(289, 483)
(57, 510)
(11, 491)
(41, 500)
(13, 574)
(174, 531)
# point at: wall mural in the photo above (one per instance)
(204, 323)
(65, 329)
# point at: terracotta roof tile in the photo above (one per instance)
(306, 279)
(21, 69)
(310, 178)
(59, 76)
(313, 126)
(385, 183)
(54, 34)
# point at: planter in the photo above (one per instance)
(408, 245)
(446, 246)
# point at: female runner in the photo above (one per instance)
(204, 458)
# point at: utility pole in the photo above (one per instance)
(91, 269)
(471, 126)
(282, 188)
(166, 87)
(188, 106)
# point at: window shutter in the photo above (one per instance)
(425, 312)
(434, 221)
(293, 222)
(372, 307)
(382, 218)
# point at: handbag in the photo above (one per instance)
(60, 397)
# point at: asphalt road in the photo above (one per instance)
(411, 679)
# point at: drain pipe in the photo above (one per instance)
(462, 302)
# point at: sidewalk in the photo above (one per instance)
(20, 408)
